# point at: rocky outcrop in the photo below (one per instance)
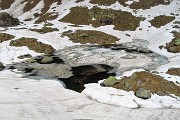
(6, 20)
(1, 66)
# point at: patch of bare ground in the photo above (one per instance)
(45, 30)
(5, 4)
(174, 45)
(174, 71)
(45, 17)
(77, 1)
(30, 5)
(154, 83)
(122, 20)
(5, 37)
(147, 4)
(161, 20)
(91, 36)
(141, 4)
(108, 2)
(33, 44)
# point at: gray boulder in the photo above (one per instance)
(109, 81)
(6, 20)
(47, 60)
(143, 93)
(1, 66)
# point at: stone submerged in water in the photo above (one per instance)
(1, 66)
(143, 93)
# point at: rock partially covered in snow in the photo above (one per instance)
(143, 93)
(6, 20)
(1, 66)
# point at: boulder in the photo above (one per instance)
(109, 81)
(143, 93)
(47, 60)
(1, 66)
(6, 20)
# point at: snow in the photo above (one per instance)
(128, 99)
(24, 98)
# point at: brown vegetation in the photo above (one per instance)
(154, 83)
(33, 44)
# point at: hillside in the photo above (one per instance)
(90, 59)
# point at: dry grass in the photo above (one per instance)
(45, 17)
(161, 20)
(154, 83)
(91, 36)
(33, 44)
(174, 71)
(5, 37)
(142, 4)
(30, 5)
(45, 30)
(147, 4)
(120, 19)
(5, 4)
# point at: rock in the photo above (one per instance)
(6, 20)
(47, 60)
(143, 93)
(144, 50)
(31, 60)
(1, 66)
(24, 56)
(109, 81)
(160, 93)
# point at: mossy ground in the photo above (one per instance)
(174, 71)
(174, 45)
(33, 44)
(161, 20)
(45, 30)
(99, 17)
(5, 37)
(91, 36)
(154, 83)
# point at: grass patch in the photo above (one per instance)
(91, 36)
(45, 30)
(174, 45)
(33, 44)
(161, 20)
(5, 37)
(174, 71)
(100, 17)
(154, 83)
